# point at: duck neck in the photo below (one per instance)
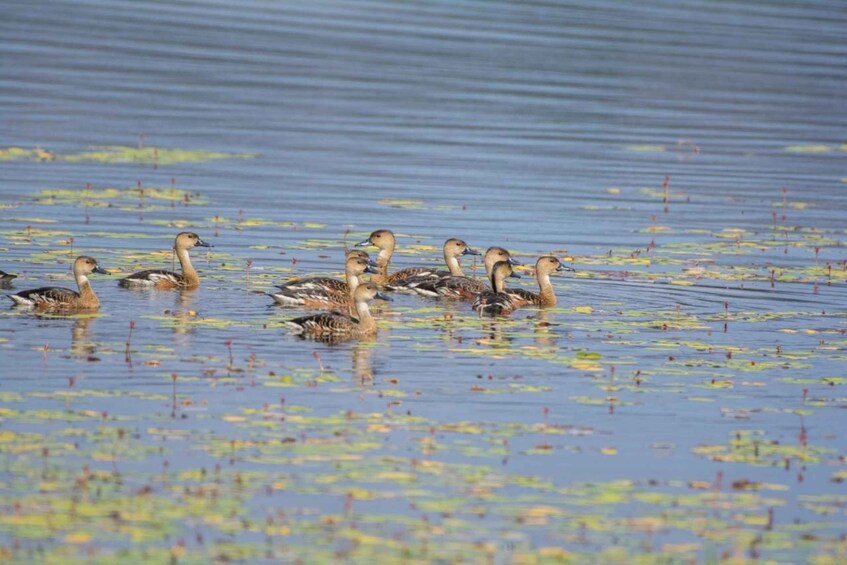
(453, 265)
(382, 261)
(86, 293)
(498, 283)
(189, 274)
(367, 324)
(546, 295)
(353, 281)
(489, 264)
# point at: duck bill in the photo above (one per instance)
(513, 261)
(201, 243)
(382, 296)
(563, 267)
(371, 268)
(469, 251)
(99, 269)
(364, 243)
(514, 275)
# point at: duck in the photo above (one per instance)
(59, 298)
(361, 254)
(496, 301)
(338, 325)
(465, 287)
(163, 279)
(407, 280)
(324, 291)
(386, 242)
(6, 278)
(545, 297)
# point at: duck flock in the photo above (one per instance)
(344, 304)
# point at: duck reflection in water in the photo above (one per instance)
(183, 314)
(81, 344)
(363, 369)
(544, 336)
(494, 335)
(6, 279)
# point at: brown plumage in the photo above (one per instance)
(496, 301)
(465, 287)
(410, 278)
(386, 242)
(324, 292)
(59, 298)
(162, 279)
(339, 325)
(546, 296)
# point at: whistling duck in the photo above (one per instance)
(361, 254)
(496, 301)
(59, 298)
(159, 278)
(385, 241)
(6, 278)
(335, 324)
(407, 280)
(322, 292)
(546, 296)
(465, 287)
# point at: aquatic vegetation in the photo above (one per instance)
(128, 199)
(119, 154)
(666, 410)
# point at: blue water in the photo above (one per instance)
(542, 127)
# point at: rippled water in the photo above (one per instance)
(542, 127)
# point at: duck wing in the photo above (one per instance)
(315, 297)
(152, 277)
(409, 278)
(522, 297)
(314, 283)
(50, 296)
(330, 323)
(451, 286)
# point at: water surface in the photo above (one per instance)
(683, 401)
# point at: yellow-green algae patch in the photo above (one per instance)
(117, 154)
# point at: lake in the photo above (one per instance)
(683, 402)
